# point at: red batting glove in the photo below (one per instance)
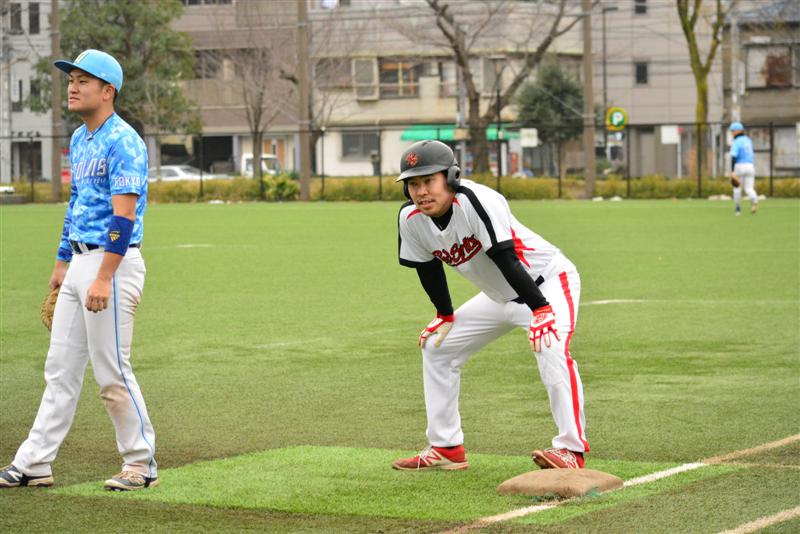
(542, 325)
(441, 325)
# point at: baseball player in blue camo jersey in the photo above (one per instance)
(100, 272)
(743, 168)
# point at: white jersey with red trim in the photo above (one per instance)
(481, 225)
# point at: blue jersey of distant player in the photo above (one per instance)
(742, 149)
(112, 160)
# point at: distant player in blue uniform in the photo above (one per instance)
(100, 272)
(743, 169)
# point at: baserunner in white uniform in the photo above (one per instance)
(100, 271)
(524, 282)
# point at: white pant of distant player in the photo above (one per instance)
(746, 172)
(78, 336)
(481, 320)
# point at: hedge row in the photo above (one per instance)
(283, 187)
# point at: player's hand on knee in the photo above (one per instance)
(441, 325)
(543, 326)
(98, 295)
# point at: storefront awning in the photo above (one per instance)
(447, 132)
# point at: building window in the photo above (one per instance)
(358, 145)
(16, 97)
(448, 79)
(15, 16)
(207, 63)
(641, 72)
(33, 18)
(640, 7)
(769, 66)
(36, 89)
(205, 2)
(333, 73)
(796, 66)
(399, 79)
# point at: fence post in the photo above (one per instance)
(771, 155)
(628, 160)
(699, 149)
(322, 163)
(380, 165)
(30, 168)
(202, 163)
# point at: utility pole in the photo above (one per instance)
(5, 98)
(55, 104)
(499, 137)
(588, 99)
(304, 90)
(736, 110)
(605, 10)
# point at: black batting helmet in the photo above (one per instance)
(428, 157)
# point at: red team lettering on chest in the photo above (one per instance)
(460, 252)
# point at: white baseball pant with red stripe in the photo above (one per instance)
(482, 320)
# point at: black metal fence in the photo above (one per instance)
(639, 150)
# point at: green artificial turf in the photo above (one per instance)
(269, 326)
(345, 481)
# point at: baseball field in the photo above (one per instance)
(276, 350)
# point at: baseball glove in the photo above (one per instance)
(48, 307)
(735, 181)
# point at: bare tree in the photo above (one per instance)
(248, 55)
(689, 16)
(540, 25)
(333, 40)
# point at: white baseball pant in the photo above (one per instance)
(481, 320)
(746, 172)
(78, 336)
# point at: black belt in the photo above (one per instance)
(539, 281)
(76, 246)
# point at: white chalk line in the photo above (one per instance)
(652, 477)
(613, 301)
(765, 522)
(606, 302)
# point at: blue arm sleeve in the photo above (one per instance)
(64, 250)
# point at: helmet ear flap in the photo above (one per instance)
(405, 190)
(454, 176)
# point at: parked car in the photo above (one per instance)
(171, 173)
(270, 165)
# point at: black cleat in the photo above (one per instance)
(11, 477)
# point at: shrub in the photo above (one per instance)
(365, 188)
(281, 187)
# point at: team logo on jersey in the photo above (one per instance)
(412, 160)
(114, 235)
(460, 252)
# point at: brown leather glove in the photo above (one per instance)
(48, 307)
(735, 181)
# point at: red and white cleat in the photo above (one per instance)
(447, 458)
(558, 459)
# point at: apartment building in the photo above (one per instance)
(762, 80)
(25, 137)
(646, 71)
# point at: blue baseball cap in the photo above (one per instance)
(98, 64)
(736, 127)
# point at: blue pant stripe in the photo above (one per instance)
(125, 380)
